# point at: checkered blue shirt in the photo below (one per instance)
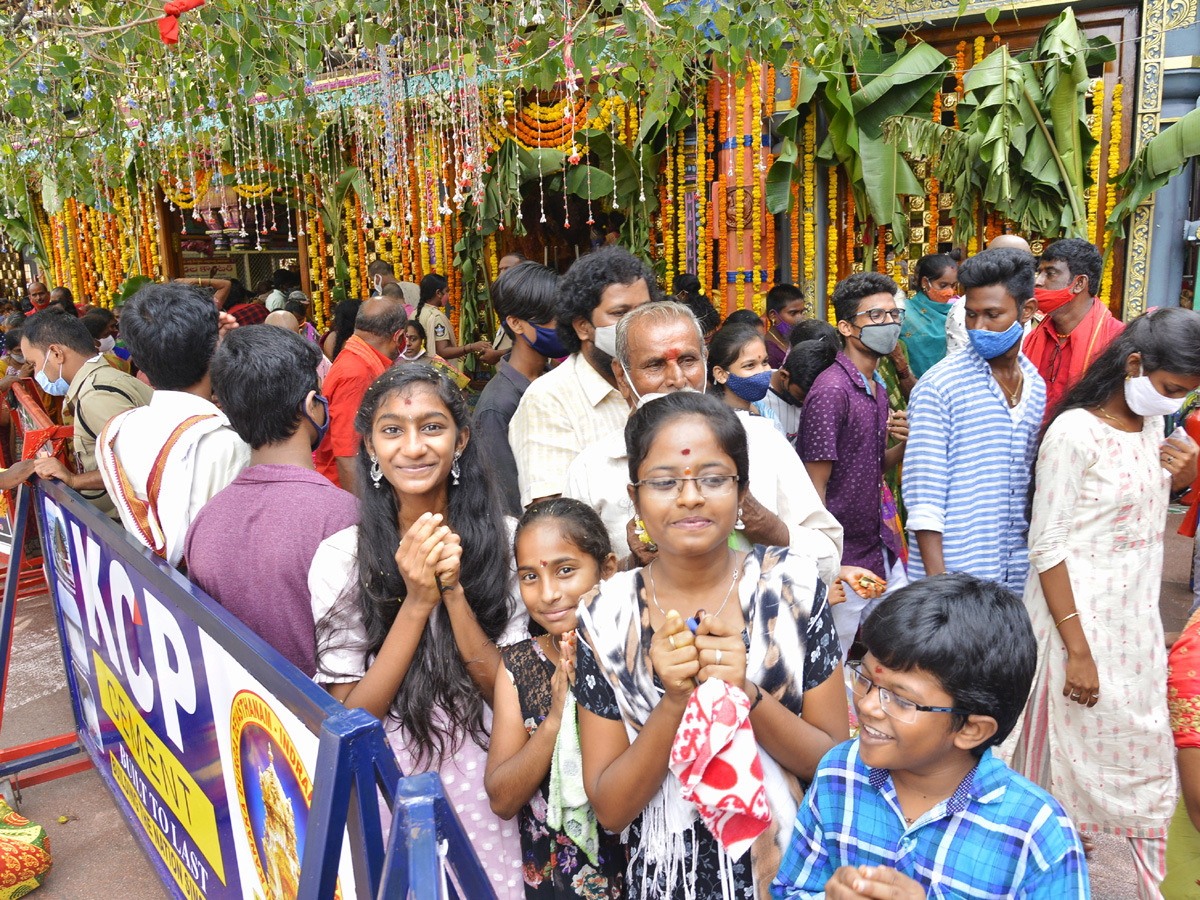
(997, 836)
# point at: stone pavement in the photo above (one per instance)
(96, 858)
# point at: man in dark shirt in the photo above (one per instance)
(524, 297)
(279, 509)
(843, 439)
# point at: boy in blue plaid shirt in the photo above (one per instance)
(918, 805)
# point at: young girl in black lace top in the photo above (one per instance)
(562, 552)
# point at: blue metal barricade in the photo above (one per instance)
(239, 776)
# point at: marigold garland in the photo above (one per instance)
(831, 244)
(1110, 194)
(680, 211)
(810, 211)
(709, 162)
(756, 207)
(721, 221)
(702, 251)
(1094, 161)
(932, 200)
(667, 212)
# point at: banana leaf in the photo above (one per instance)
(1154, 165)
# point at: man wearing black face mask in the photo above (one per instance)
(266, 381)
(843, 440)
(525, 297)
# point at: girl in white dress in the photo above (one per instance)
(1096, 731)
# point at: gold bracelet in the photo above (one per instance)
(1074, 615)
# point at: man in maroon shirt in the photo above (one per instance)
(844, 434)
(278, 509)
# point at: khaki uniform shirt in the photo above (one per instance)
(97, 393)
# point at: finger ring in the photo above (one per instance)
(1095, 693)
(718, 656)
(1075, 695)
(671, 638)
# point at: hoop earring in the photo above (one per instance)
(454, 470)
(376, 472)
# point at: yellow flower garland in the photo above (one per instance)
(1094, 161)
(810, 212)
(1110, 194)
(702, 250)
(681, 241)
(831, 246)
(668, 213)
(757, 224)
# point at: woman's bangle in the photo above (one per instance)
(757, 697)
(1067, 618)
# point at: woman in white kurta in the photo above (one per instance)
(1096, 732)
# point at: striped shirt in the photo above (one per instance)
(967, 466)
(997, 836)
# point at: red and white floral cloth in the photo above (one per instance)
(715, 757)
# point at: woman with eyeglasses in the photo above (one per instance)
(758, 621)
(1096, 731)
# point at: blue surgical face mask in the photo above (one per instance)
(990, 344)
(56, 388)
(753, 388)
(547, 342)
(323, 428)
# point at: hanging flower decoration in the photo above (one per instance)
(1110, 192)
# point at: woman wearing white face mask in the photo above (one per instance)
(1096, 732)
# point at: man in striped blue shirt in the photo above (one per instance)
(973, 427)
(918, 806)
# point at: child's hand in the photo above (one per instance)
(714, 637)
(675, 659)
(559, 682)
(865, 583)
(872, 883)
(566, 654)
(837, 592)
(418, 556)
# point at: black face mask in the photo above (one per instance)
(323, 428)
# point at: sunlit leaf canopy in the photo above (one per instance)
(92, 95)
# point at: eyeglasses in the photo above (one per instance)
(879, 316)
(899, 708)
(707, 485)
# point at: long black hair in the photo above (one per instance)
(1167, 338)
(343, 322)
(437, 678)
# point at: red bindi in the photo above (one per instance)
(672, 354)
(879, 670)
(543, 562)
(687, 452)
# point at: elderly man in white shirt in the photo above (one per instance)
(660, 349)
(161, 463)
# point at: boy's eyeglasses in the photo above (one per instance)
(899, 708)
(878, 316)
(708, 485)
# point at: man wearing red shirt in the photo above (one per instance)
(1077, 327)
(378, 338)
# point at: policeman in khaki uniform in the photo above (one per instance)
(67, 363)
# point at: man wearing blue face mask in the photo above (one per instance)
(524, 298)
(973, 427)
(66, 364)
(266, 380)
